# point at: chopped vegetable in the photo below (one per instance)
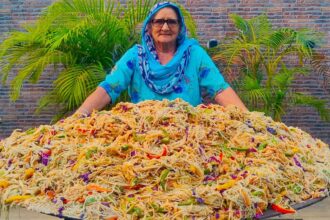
(50, 194)
(165, 140)
(90, 152)
(262, 146)
(81, 200)
(95, 187)
(240, 148)
(4, 183)
(214, 158)
(125, 147)
(136, 211)
(112, 218)
(30, 131)
(85, 177)
(220, 156)
(296, 188)
(17, 198)
(157, 208)
(246, 199)
(135, 187)
(163, 177)
(282, 210)
(226, 185)
(29, 173)
(80, 160)
(257, 193)
(200, 201)
(153, 156)
(189, 201)
(89, 200)
(296, 161)
(271, 130)
(60, 212)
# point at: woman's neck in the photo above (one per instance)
(165, 52)
(165, 48)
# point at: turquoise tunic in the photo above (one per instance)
(201, 79)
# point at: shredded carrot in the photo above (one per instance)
(95, 187)
(112, 218)
(50, 194)
(28, 157)
(81, 200)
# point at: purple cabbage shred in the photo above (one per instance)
(271, 130)
(85, 177)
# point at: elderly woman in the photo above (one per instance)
(167, 65)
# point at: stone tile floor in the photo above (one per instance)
(318, 211)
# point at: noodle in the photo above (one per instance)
(162, 160)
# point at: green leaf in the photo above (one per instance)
(259, 57)
(318, 104)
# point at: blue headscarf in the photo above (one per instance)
(160, 78)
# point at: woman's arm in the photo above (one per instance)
(229, 97)
(95, 101)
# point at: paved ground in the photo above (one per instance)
(319, 211)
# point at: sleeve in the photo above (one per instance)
(120, 76)
(211, 81)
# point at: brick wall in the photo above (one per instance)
(213, 23)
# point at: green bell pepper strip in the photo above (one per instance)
(163, 177)
(262, 146)
(190, 201)
(136, 211)
(157, 208)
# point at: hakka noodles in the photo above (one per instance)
(163, 160)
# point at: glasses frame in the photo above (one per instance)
(162, 21)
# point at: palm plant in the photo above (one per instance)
(259, 58)
(82, 38)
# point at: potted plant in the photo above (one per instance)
(260, 59)
(82, 39)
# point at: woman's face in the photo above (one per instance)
(165, 26)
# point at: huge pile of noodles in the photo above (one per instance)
(163, 160)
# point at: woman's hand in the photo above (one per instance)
(229, 97)
(95, 101)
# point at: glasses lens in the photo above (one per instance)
(160, 22)
(172, 22)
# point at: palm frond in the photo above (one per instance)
(283, 79)
(32, 65)
(241, 25)
(259, 50)
(134, 14)
(12, 50)
(75, 83)
(253, 30)
(278, 38)
(190, 22)
(252, 92)
(307, 40)
(276, 106)
(318, 104)
(236, 52)
(260, 27)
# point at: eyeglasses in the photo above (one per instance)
(159, 23)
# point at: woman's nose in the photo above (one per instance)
(165, 26)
